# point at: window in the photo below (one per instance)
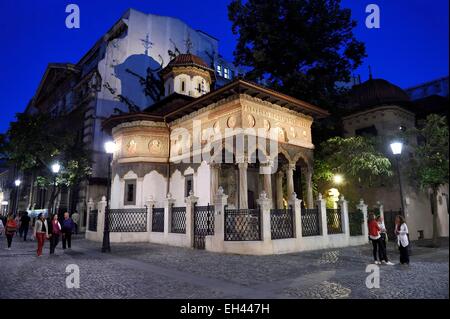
(199, 88)
(183, 86)
(189, 184)
(219, 70)
(226, 73)
(130, 192)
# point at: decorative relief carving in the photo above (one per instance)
(266, 125)
(231, 122)
(131, 147)
(155, 146)
(251, 120)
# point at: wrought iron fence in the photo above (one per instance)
(93, 216)
(310, 222)
(334, 221)
(282, 223)
(356, 220)
(128, 220)
(178, 222)
(203, 224)
(242, 224)
(158, 220)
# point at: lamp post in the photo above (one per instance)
(110, 148)
(17, 182)
(396, 148)
(56, 167)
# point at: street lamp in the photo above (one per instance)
(110, 149)
(338, 179)
(396, 148)
(56, 167)
(17, 182)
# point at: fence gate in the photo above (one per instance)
(203, 224)
(389, 222)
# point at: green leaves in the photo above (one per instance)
(430, 165)
(302, 47)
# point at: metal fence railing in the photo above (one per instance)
(242, 224)
(334, 221)
(158, 220)
(128, 220)
(356, 220)
(282, 223)
(93, 220)
(178, 220)
(310, 222)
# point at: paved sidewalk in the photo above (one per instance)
(156, 271)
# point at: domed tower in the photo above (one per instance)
(189, 75)
(377, 92)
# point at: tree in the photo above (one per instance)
(300, 47)
(34, 142)
(356, 158)
(429, 167)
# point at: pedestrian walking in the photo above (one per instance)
(40, 233)
(2, 227)
(11, 228)
(76, 220)
(401, 230)
(17, 220)
(55, 233)
(67, 227)
(382, 242)
(24, 225)
(374, 236)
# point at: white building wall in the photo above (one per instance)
(155, 186)
(177, 188)
(202, 184)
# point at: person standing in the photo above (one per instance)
(76, 220)
(24, 225)
(401, 230)
(374, 235)
(11, 229)
(55, 233)
(382, 242)
(66, 230)
(17, 219)
(40, 233)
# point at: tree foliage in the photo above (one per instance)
(430, 165)
(357, 158)
(300, 47)
(34, 142)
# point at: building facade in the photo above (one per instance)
(118, 74)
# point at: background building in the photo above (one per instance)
(118, 74)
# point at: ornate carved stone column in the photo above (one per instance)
(243, 185)
(309, 188)
(290, 178)
(280, 175)
(214, 179)
(265, 170)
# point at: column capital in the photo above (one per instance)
(191, 199)
(264, 201)
(289, 167)
(242, 165)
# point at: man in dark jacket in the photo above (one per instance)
(24, 225)
(67, 227)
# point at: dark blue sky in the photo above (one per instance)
(411, 46)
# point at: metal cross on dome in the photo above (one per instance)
(147, 44)
(188, 43)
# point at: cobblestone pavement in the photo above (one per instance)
(155, 271)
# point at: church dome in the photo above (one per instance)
(188, 59)
(377, 92)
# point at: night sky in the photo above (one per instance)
(410, 48)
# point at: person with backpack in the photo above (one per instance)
(11, 228)
(67, 227)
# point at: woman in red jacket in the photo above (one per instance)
(374, 235)
(11, 228)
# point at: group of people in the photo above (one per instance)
(378, 236)
(51, 229)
